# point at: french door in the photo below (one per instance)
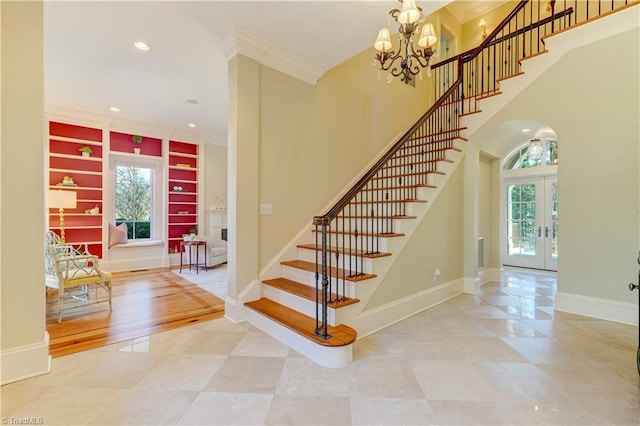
(530, 223)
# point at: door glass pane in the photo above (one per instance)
(521, 216)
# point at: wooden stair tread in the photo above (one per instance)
(341, 335)
(431, 151)
(387, 188)
(444, 132)
(351, 252)
(355, 216)
(426, 172)
(486, 95)
(413, 163)
(409, 200)
(478, 111)
(307, 292)
(382, 235)
(333, 271)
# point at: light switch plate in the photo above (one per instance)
(266, 209)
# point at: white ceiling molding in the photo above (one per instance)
(242, 42)
(79, 118)
(293, 66)
(103, 121)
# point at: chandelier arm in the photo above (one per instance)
(421, 61)
(387, 61)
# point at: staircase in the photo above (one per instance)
(315, 301)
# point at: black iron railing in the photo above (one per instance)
(357, 225)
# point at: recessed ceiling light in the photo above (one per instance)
(526, 130)
(141, 45)
(115, 109)
(192, 125)
(192, 101)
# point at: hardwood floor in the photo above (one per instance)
(143, 303)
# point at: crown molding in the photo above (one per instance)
(244, 43)
(102, 121)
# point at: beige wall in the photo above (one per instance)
(484, 206)
(598, 180)
(315, 139)
(436, 243)
(24, 348)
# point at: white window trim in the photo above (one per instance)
(158, 215)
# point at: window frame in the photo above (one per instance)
(158, 219)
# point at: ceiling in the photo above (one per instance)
(92, 65)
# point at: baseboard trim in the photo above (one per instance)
(234, 309)
(490, 275)
(610, 310)
(25, 361)
(376, 319)
(471, 285)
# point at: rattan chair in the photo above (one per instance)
(75, 274)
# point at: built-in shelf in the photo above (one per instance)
(185, 174)
(65, 159)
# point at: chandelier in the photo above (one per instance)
(535, 150)
(409, 60)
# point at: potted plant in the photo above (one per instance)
(86, 151)
(137, 139)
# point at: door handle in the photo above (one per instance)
(546, 232)
(539, 231)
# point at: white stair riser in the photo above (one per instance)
(308, 278)
(332, 357)
(300, 304)
(343, 262)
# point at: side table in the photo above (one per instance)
(187, 247)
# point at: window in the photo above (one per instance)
(520, 159)
(137, 197)
(134, 196)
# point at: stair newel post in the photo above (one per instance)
(350, 248)
(344, 250)
(331, 293)
(327, 291)
(317, 278)
(324, 222)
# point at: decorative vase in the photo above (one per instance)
(136, 150)
(86, 154)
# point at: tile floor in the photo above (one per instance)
(501, 357)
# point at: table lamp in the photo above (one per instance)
(59, 199)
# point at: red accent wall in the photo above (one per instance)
(121, 142)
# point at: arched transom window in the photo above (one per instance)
(521, 159)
